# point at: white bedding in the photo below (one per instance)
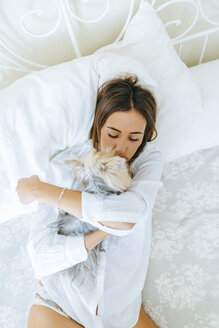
(182, 284)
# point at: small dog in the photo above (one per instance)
(100, 173)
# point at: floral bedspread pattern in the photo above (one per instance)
(17, 283)
(182, 285)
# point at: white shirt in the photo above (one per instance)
(123, 267)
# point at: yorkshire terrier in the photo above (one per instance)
(101, 173)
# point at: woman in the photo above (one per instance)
(125, 118)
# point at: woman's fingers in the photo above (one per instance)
(25, 188)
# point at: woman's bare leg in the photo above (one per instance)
(41, 316)
(145, 321)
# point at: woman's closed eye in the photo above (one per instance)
(117, 137)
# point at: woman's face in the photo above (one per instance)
(124, 131)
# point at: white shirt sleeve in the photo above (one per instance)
(134, 204)
(50, 252)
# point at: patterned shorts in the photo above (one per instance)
(43, 298)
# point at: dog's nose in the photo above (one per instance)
(118, 154)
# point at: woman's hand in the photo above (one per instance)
(26, 187)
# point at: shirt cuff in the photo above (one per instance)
(75, 249)
(91, 207)
(113, 231)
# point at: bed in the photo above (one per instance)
(181, 287)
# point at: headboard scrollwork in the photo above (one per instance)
(67, 15)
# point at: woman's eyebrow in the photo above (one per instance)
(110, 127)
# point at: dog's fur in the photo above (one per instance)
(101, 173)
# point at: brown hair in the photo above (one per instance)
(123, 94)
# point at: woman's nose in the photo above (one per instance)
(121, 148)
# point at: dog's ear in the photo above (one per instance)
(73, 162)
(75, 165)
(103, 166)
(107, 154)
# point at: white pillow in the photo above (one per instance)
(147, 41)
(198, 131)
(41, 114)
(50, 110)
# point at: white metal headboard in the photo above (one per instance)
(184, 37)
(66, 14)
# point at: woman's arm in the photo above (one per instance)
(32, 188)
(70, 202)
(48, 193)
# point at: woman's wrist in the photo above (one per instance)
(69, 202)
(93, 238)
(36, 190)
(46, 193)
